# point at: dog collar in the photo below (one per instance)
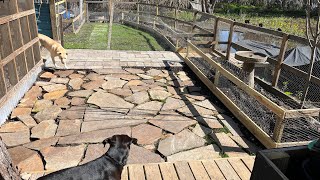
(118, 163)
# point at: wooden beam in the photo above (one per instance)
(230, 40)
(278, 129)
(277, 68)
(296, 113)
(15, 16)
(53, 20)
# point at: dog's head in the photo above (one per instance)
(120, 141)
(63, 55)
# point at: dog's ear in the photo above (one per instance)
(134, 141)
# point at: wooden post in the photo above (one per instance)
(277, 68)
(81, 9)
(122, 17)
(61, 29)
(230, 40)
(53, 20)
(216, 78)
(110, 24)
(175, 18)
(138, 13)
(278, 129)
(215, 33)
(87, 11)
(194, 21)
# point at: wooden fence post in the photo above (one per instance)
(138, 12)
(194, 21)
(278, 129)
(87, 10)
(230, 40)
(175, 18)
(277, 68)
(53, 20)
(215, 33)
(61, 29)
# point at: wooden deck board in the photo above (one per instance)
(168, 171)
(124, 174)
(241, 169)
(249, 162)
(227, 169)
(213, 170)
(198, 170)
(152, 172)
(136, 172)
(183, 170)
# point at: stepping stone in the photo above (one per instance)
(232, 126)
(75, 101)
(228, 146)
(50, 113)
(20, 111)
(54, 87)
(196, 96)
(27, 120)
(159, 95)
(138, 97)
(88, 126)
(182, 141)
(47, 75)
(209, 105)
(105, 100)
(93, 84)
(25, 159)
(154, 106)
(13, 127)
(126, 77)
(194, 110)
(135, 83)
(16, 138)
(64, 73)
(62, 102)
(75, 112)
(146, 134)
(134, 71)
(42, 143)
(58, 158)
(94, 114)
(140, 155)
(60, 80)
(172, 104)
(94, 136)
(81, 93)
(141, 114)
(173, 123)
(113, 84)
(55, 94)
(121, 92)
(153, 72)
(94, 77)
(41, 105)
(145, 77)
(209, 121)
(76, 83)
(68, 127)
(135, 89)
(201, 131)
(43, 83)
(206, 153)
(94, 151)
(73, 76)
(44, 129)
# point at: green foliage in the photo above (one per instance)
(288, 93)
(224, 155)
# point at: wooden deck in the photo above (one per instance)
(219, 169)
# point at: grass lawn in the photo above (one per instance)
(94, 36)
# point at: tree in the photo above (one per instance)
(111, 8)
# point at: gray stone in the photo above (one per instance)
(41, 105)
(207, 104)
(76, 83)
(75, 112)
(121, 92)
(196, 96)
(113, 84)
(68, 127)
(50, 113)
(42, 143)
(206, 153)
(44, 129)
(140, 155)
(231, 125)
(138, 98)
(94, 151)
(16, 138)
(54, 87)
(60, 80)
(172, 104)
(159, 95)
(80, 93)
(182, 141)
(108, 124)
(194, 110)
(10, 127)
(94, 114)
(201, 131)
(27, 120)
(146, 134)
(105, 100)
(111, 71)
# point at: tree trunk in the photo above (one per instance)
(7, 169)
(110, 24)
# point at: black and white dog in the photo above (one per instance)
(108, 167)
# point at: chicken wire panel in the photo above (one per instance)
(265, 73)
(98, 11)
(185, 15)
(169, 12)
(147, 9)
(2, 85)
(128, 7)
(205, 22)
(10, 76)
(21, 65)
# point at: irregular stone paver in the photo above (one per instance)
(30, 97)
(25, 159)
(20, 111)
(73, 76)
(182, 141)
(196, 96)
(44, 129)
(202, 153)
(62, 102)
(62, 157)
(60, 80)
(172, 104)
(153, 72)
(55, 95)
(194, 110)
(138, 97)
(143, 76)
(113, 84)
(228, 145)
(93, 84)
(201, 131)
(230, 124)
(16, 138)
(76, 101)
(151, 106)
(146, 134)
(94, 136)
(102, 100)
(13, 127)
(108, 124)
(135, 83)
(159, 94)
(140, 155)
(54, 87)
(81, 93)
(68, 127)
(47, 75)
(134, 71)
(64, 73)
(209, 121)
(135, 89)
(246, 144)
(207, 104)
(75, 112)
(94, 151)
(126, 77)
(76, 83)
(94, 77)
(43, 83)
(121, 92)
(50, 113)
(27, 120)
(41, 105)
(42, 143)
(94, 114)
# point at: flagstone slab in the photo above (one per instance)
(194, 110)
(126, 77)
(55, 94)
(209, 152)
(49, 113)
(60, 80)
(94, 151)
(63, 73)
(209, 121)
(94, 136)
(146, 134)
(196, 96)
(145, 77)
(230, 124)
(42, 143)
(173, 104)
(228, 146)
(113, 84)
(44, 129)
(159, 94)
(20, 111)
(62, 102)
(153, 72)
(94, 114)
(94, 77)
(76, 101)
(16, 126)
(73, 76)
(135, 89)
(76, 83)
(68, 127)
(88, 126)
(43, 83)
(151, 105)
(121, 92)
(80, 93)
(47, 75)
(134, 71)
(54, 87)
(41, 104)
(182, 141)
(27, 120)
(209, 105)
(75, 112)
(16, 138)
(138, 97)
(58, 158)
(201, 131)
(105, 100)
(140, 155)
(93, 84)
(135, 83)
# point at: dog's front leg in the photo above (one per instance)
(64, 63)
(54, 62)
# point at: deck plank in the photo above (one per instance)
(136, 172)
(241, 169)
(152, 172)
(168, 171)
(198, 170)
(213, 170)
(124, 174)
(227, 169)
(249, 162)
(183, 170)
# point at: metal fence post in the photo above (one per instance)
(230, 41)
